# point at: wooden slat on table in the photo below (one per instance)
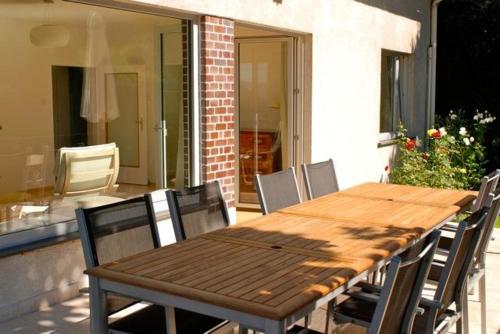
(412, 194)
(373, 211)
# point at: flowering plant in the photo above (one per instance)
(453, 156)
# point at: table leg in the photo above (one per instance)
(170, 317)
(98, 307)
(275, 327)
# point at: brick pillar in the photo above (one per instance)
(217, 103)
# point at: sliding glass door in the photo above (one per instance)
(265, 110)
(175, 106)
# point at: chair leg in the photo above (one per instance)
(170, 318)
(374, 277)
(482, 300)
(463, 307)
(382, 273)
(242, 330)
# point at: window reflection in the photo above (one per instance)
(77, 118)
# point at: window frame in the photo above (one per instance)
(399, 77)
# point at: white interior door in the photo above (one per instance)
(125, 106)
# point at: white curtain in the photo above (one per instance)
(99, 102)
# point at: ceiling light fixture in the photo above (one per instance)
(49, 35)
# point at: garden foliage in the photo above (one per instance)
(452, 155)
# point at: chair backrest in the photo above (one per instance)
(197, 210)
(277, 190)
(320, 178)
(460, 258)
(88, 169)
(402, 288)
(488, 185)
(493, 202)
(159, 214)
(113, 231)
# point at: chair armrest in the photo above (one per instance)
(369, 297)
(450, 227)
(434, 304)
(369, 287)
(84, 290)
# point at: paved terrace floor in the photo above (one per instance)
(72, 316)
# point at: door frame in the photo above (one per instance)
(294, 99)
(194, 105)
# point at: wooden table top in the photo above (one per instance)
(276, 264)
(412, 194)
(374, 211)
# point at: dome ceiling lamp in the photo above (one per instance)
(49, 35)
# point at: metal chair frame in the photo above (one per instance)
(436, 306)
(263, 199)
(309, 169)
(478, 271)
(381, 294)
(488, 185)
(88, 242)
(176, 215)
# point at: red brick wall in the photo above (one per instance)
(217, 103)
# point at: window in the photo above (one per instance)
(100, 78)
(392, 93)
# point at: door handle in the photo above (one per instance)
(140, 122)
(162, 127)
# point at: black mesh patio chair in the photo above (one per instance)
(488, 185)
(197, 210)
(390, 308)
(277, 191)
(478, 270)
(320, 178)
(451, 277)
(113, 231)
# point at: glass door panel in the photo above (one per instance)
(175, 105)
(264, 111)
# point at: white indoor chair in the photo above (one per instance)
(87, 175)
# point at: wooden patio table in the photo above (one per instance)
(269, 272)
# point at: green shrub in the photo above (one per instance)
(452, 155)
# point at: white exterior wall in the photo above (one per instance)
(347, 38)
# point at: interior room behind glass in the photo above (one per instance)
(88, 94)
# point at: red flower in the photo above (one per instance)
(386, 168)
(436, 134)
(410, 144)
